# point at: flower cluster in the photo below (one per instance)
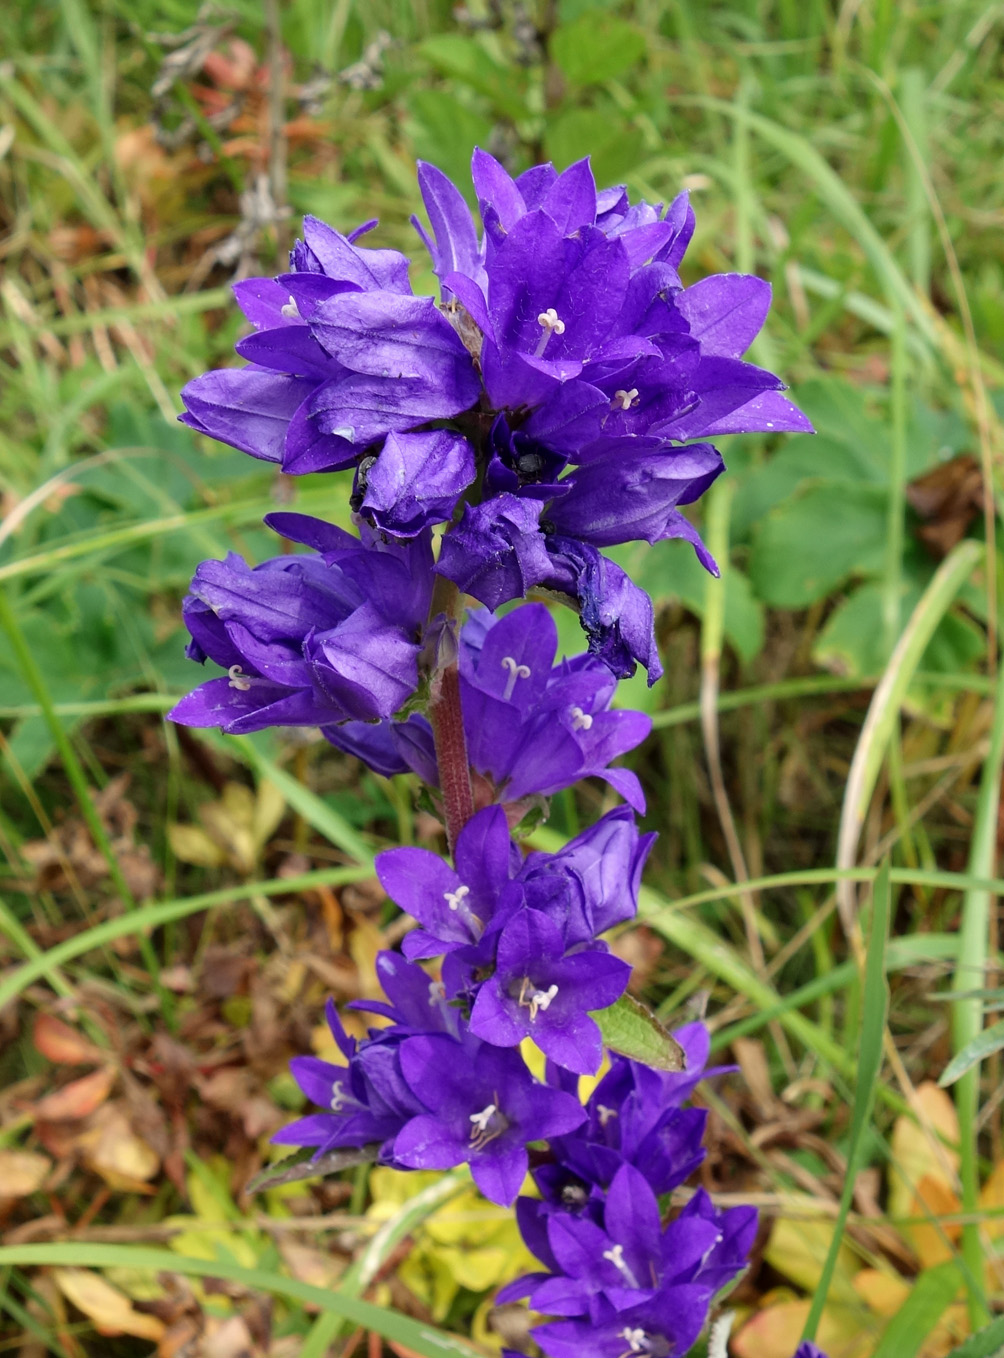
(558, 400)
(565, 376)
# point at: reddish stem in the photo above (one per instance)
(446, 714)
(447, 720)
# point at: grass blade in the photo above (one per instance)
(930, 1296)
(869, 1064)
(967, 1014)
(398, 1329)
(887, 700)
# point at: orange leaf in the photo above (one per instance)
(883, 1292)
(58, 1042)
(78, 1099)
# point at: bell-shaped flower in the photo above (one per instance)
(538, 990)
(482, 1107)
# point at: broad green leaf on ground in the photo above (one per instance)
(614, 148)
(816, 540)
(464, 59)
(597, 47)
(853, 642)
(634, 1031)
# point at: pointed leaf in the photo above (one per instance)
(303, 1165)
(634, 1031)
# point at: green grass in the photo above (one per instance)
(833, 703)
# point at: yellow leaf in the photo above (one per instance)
(992, 1197)
(192, 845)
(883, 1292)
(776, 1330)
(798, 1249)
(431, 1280)
(916, 1154)
(21, 1173)
(474, 1269)
(933, 1245)
(269, 809)
(110, 1311)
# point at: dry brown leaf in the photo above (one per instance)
(228, 1338)
(310, 1265)
(79, 1098)
(105, 1306)
(22, 1172)
(112, 1148)
(58, 1042)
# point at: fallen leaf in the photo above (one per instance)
(22, 1172)
(58, 1042)
(798, 1249)
(79, 1098)
(917, 1154)
(882, 1292)
(777, 1329)
(192, 845)
(112, 1148)
(931, 1244)
(111, 1311)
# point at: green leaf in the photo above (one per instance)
(613, 147)
(464, 59)
(597, 47)
(445, 132)
(305, 1165)
(816, 540)
(853, 641)
(632, 1030)
(988, 1343)
(399, 1329)
(930, 1296)
(989, 1041)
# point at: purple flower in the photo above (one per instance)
(808, 1350)
(482, 1107)
(540, 991)
(664, 1325)
(452, 905)
(366, 1101)
(415, 482)
(597, 876)
(532, 727)
(307, 640)
(342, 355)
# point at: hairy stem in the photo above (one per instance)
(447, 720)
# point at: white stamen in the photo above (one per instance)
(482, 1119)
(616, 1257)
(437, 992)
(338, 1099)
(238, 679)
(605, 1113)
(453, 898)
(637, 1339)
(551, 324)
(291, 311)
(516, 671)
(541, 999)
(581, 721)
(624, 400)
